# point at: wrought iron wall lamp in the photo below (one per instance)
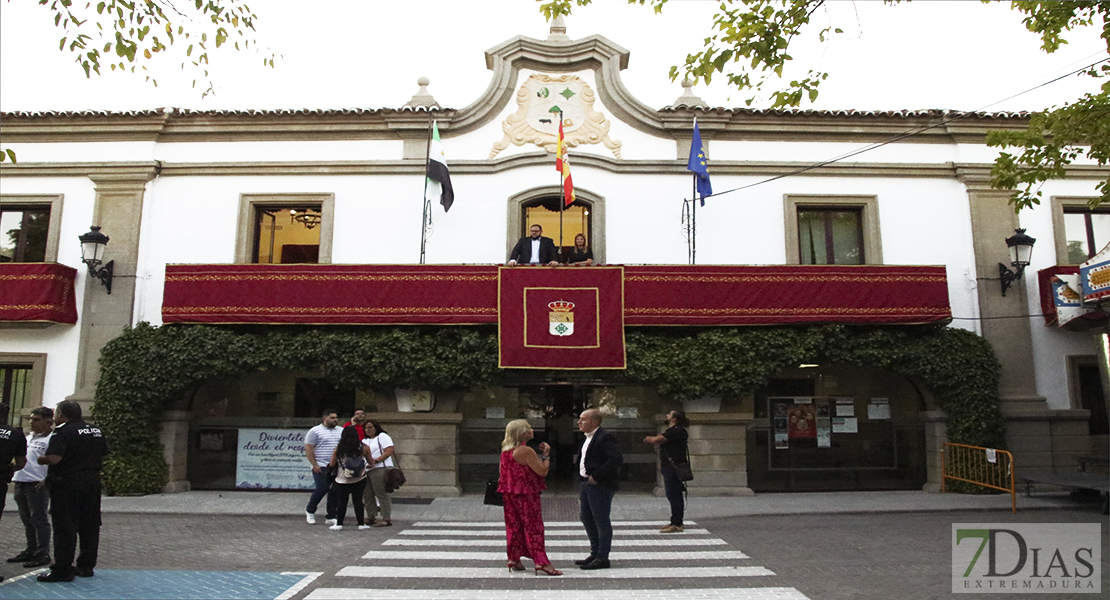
(1021, 249)
(93, 244)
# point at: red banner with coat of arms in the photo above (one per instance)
(561, 318)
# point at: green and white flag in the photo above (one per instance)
(439, 178)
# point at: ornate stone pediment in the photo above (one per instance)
(540, 100)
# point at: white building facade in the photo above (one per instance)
(195, 187)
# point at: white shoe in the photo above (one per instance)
(336, 528)
(310, 518)
(330, 521)
(362, 527)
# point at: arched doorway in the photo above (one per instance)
(543, 206)
(559, 223)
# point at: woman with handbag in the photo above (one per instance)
(350, 460)
(520, 484)
(674, 464)
(377, 497)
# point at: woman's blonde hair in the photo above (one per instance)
(514, 432)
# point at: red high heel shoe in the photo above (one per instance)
(548, 569)
(514, 565)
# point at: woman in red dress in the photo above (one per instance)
(520, 483)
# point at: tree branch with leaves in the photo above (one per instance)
(1057, 137)
(750, 44)
(126, 35)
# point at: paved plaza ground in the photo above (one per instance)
(865, 545)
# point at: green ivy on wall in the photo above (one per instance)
(146, 369)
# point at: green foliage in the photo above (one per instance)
(1053, 140)
(1057, 137)
(146, 369)
(135, 473)
(749, 44)
(1051, 18)
(125, 34)
(959, 367)
(7, 154)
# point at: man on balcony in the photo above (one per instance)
(534, 249)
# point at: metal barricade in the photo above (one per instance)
(986, 467)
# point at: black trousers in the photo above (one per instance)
(674, 489)
(354, 491)
(75, 512)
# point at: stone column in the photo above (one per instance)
(936, 433)
(175, 447)
(992, 221)
(118, 211)
(718, 454)
(427, 445)
(1029, 429)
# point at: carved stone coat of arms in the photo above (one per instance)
(540, 101)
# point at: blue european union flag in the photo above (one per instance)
(699, 165)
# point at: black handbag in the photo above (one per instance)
(682, 469)
(394, 478)
(493, 497)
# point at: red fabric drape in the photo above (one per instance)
(561, 318)
(330, 294)
(737, 295)
(37, 292)
(468, 294)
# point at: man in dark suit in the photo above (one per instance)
(598, 467)
(534, 249)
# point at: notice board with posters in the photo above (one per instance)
(820, 432)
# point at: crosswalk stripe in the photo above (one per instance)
(578, 543)
(547, 524)
(501, 573)
(306, 580)
(758, 593)
(547, 532)
(442, 555)
(476, 551)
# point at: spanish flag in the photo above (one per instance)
(562, 165)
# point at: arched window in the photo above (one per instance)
(541, 206)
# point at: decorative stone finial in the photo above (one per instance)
(422, 97)
(688, 98)
(558, 30)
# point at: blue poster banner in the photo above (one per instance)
(272, 459)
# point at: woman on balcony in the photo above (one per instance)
(581, 256)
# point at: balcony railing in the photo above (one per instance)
(468, 294)
(37, 292)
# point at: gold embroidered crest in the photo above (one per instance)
(561, 319)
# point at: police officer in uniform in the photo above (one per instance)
(75, 455)
(13, 449)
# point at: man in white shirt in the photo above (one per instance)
(31, 495)
(599, 470)
(319, 445)
(534, 249)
